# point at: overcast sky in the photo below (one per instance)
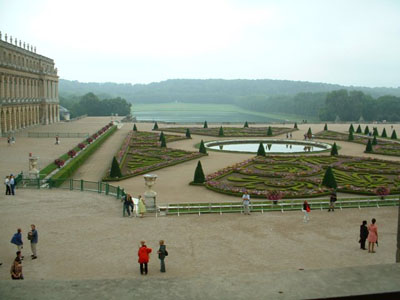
(346, 42)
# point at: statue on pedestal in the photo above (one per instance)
(149, 194)
(33, 171)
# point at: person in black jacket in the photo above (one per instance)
(162, 253)
(363, 234)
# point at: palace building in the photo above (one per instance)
(28, 87)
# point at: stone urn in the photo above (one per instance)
(33, 171)
(149, 194)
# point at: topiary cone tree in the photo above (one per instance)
(295, 125)
(115, 171)
(329, 179)
(369, 146)
(374, 141)
(351, 128)
(375, 132)
(161, 136)
(246, 125)
(359, 129)
(366, 130)
(394, 135)
(199, 174)
(384, 134)
(163, 142)
(309, 132)
(155, 126)
(188, 135)
(221, 131)
(269, 131)
(351, 136)
(261, 151)
(205, 124)
(326, 127)
(134, 127)
(202, 148)
(334, 150)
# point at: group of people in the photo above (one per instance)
(10, 183)
(10, 140)
(33, 237)
(144, 256)
(369, 232)
(134, 205)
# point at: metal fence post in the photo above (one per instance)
(107, 188)
(118, 191)
(71, 184)
(99, 187)
(81, 184)
(38, 183)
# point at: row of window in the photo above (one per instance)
(25, 62)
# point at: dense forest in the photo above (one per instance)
(89, 104)
(328, 102)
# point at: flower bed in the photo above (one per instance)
(301, 176)
(384, 146)
(141, 153)
(82, 145)
(231, 131)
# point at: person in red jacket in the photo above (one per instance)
(143, 254)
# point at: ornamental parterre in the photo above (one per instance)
(301, 176)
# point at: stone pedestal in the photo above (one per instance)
(33, 171)
(149, 194)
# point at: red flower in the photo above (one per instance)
(71, 153)
(81, 146)
(59, 162)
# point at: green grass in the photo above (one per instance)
(185, 112)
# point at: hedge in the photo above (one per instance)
(75, 163)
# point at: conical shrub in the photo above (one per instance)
(221, 131)
(155, 126)
(351, 128)
(369, 149)
(205, 124)
(188, 135)
(359, 129)
(295, 125)
(246, 125)
(334, 150)
(329, 179)
(384, 134)
(261, 150)
(202, 148)
(115, 171)
(374, 141)
(163, 142)
(269, 131)
(326, 127)
(199, 174)
(309, 132)
(394, 135)
(134, 127)
(375, 132)
(366, 130)
(161, 136)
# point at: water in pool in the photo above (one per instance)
(269, 147)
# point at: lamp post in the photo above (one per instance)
(149, 194)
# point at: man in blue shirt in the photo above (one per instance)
(34, 237)
(17, 239)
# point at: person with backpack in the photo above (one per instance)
(17, 240)
(162, 253)
(33, 236)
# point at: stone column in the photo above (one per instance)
(2, 89)
(23, 117)
(11, 87)
(6, 120)
(8, 90)
(14, 118)
(1, 121)
(17, 92)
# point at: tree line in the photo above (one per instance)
(90, 104)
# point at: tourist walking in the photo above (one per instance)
(306, 209)
(7, 184)
(57, 140)
(363, 235)
(16, 268)
(162, 253)
(332, 201)
(144, 257)
(141, 207)
(12, 184)
(372, 236)
(246, 203)
(17, 240)
(33, 236)
(128, 204)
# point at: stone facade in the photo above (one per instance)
(28, 87)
